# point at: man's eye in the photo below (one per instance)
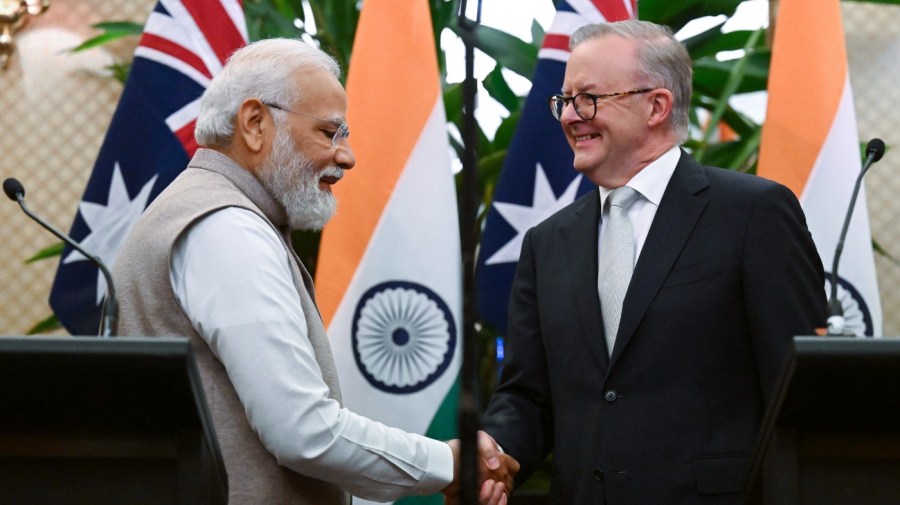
(330, 133)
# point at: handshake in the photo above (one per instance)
(496, 472)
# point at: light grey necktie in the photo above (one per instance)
(616, 260)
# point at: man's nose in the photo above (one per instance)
(344, 156)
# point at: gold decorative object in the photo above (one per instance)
(13, 16)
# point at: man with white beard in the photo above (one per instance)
(211, 259)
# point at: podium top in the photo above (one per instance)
(851, 348)
(155, 346)
(839, 383)
(833, 385)
(98, 397)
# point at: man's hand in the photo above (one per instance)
(496, 472)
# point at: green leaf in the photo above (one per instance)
(456, 145)
(489, 166)
(47, 325)
(485, 146)
(712, 42)
(265, 20)
(507, 50)
(711, 75)
(719, 153)
(696, 44)
(443, 14)
(739, 155)
(497, 87)
(336, 22)
(120, 26)
(288, 10)
(453, 105)
(112, 30)
(120, 71)
(537, 33)
(101, 39)
(47, 252)
(735, 77)
(741, 124)
(745, 159)
(453, 99)
(676, 14)
(506, 130)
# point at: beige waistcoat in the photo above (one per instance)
(148, 307)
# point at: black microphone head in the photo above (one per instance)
(874, 149)
(13, 188)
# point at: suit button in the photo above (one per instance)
(598, 474)
(611, 395)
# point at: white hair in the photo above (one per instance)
(291, 178)
(263, 70)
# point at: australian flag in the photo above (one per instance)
(537, 177)
(149, 141)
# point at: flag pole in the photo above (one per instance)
(468, 408)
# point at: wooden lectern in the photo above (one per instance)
(832, 432)
(86, 420)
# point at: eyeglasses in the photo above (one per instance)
(340, 134)
(585, 103)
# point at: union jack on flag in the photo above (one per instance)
(149, 142)
(537, 177)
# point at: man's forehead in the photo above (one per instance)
(584, 77)
(572, 87)
(322, 90)
(310, 80)
(593, 66)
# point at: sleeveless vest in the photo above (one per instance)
(148, 307)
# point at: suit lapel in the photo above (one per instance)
(580, 236)
(678, 212)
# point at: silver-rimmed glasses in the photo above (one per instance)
(585, 103)
(341, 132)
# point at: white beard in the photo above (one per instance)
(290, 178)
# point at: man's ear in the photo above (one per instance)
(661, 103)
(251, 124)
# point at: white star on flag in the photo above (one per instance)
(523, 218)
(110, 224)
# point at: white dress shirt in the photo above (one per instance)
(651, 183)
(233, 279)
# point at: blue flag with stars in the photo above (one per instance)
(149, 142)
(537, 177)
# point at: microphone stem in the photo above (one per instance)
(109, 322)
(874, 152)
(834, 305)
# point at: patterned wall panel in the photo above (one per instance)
(873, 47)
(54, 110)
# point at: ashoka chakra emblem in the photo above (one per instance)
(858, 319)
(403, 336)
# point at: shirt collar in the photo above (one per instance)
(651, 181)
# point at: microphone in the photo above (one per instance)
(836, 321)
(110, 321)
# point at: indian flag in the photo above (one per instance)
(389, 274)
(810, 144)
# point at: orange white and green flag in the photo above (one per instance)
(389, 274)
(810, 143)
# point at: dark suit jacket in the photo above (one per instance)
(727, 275)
